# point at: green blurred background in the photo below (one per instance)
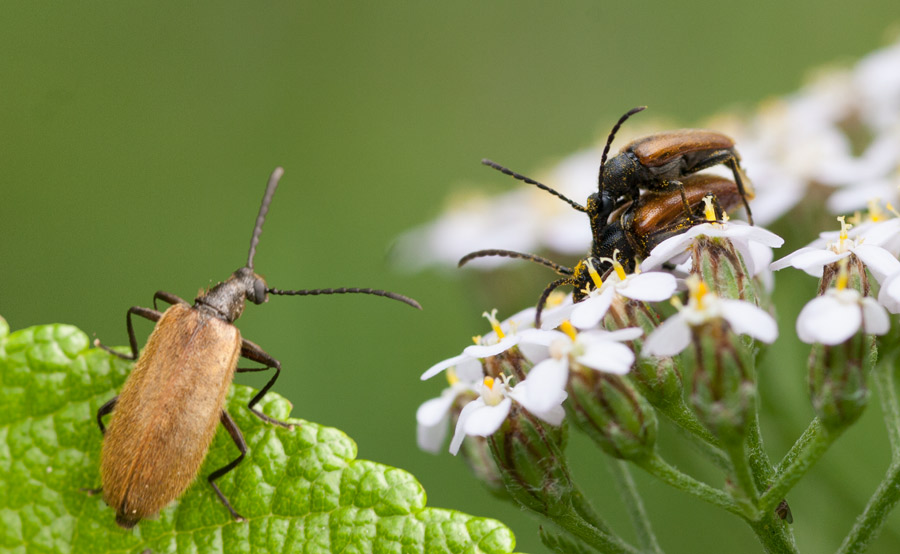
(136, 142)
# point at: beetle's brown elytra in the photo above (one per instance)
(167, 413)
(645, 194)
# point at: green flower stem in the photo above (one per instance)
(887, 395)
(705, 442)
(760, 463)
(880, 505)
(586, 511)
(572, 522)
(774, 535)
(634, 505)
(809, 434)
(813, 445)
(659, 468)
(887, 495)
(742, 472)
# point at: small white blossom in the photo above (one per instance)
(483, 416)
(433, 416)
(502, 338)
(838, 314)
(813, 259)
(674, 335)
(740, 233)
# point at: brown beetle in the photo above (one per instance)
(166, 415)
(662, 167)
(661, 161)
(633, 230)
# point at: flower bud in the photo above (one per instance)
(837, 379)
(612, 412)
(723, 387)
(838, 373)
(528, 454)
(657, 378)
(722, 268)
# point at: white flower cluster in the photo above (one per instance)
(790, 143)
(487, 400)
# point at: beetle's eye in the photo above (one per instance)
(259, 291)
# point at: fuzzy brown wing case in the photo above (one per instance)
(168, 411)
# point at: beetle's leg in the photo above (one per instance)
(105, 409)
(238, 439)
(252, 351)
(738, 173)
(729, 158)
(167, 297)
(146, 313)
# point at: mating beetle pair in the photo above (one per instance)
(172, 402)
(647, 193)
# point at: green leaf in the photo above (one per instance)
(300, 490)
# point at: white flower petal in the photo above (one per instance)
(483, 351)
(591, 310)
(665, 251)
(889, 295)
(434, 410)
(875, 318)
(432, 419)
(442, 365)
(668, 339)
(611, 357)
(626, 334)
(543, 385)
(460, 432)
(554, 416)
(485, 420)
(878, 260)
(653, 286)
(827, 320)
(747, 319)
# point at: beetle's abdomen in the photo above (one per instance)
(167, 412)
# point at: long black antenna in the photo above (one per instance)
(560, 269)
(263, 210)
(609, 140)
(531, 181)
(348, 290)
(539, 309)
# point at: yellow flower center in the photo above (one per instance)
(709, 211)
(452, 377)
(595, 276)
(697, 290)
(620, 271)
(492, 318)
(843, 275)
(567, 328)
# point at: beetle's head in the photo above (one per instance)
(227, 299)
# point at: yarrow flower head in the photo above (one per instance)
(740, 234)
(840, 313)
(813, 259)
(703, 306)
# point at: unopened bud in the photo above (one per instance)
(838, 373)
(724, 389)
(612, 412)
(837, 379)
(658, 379)
(528, 454)
(722, 268)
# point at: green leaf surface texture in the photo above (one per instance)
(301, 490)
